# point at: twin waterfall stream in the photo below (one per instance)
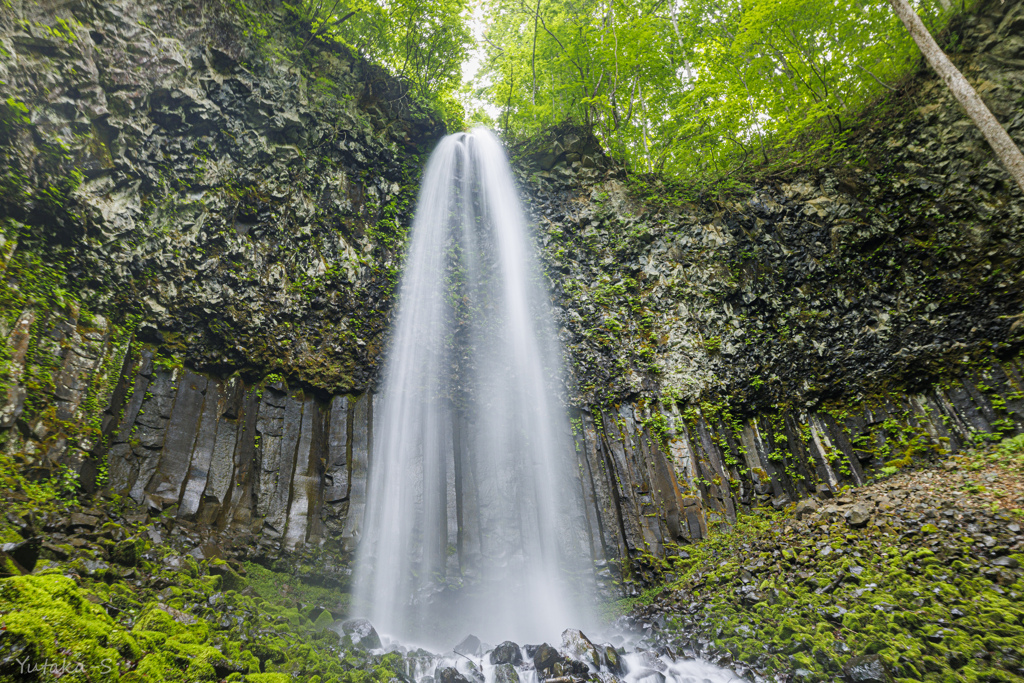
(474, 524)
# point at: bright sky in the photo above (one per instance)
(477, 24)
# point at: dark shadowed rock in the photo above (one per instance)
(26, 553)
(8, 566)
(450, 674)
(545, 657)
(362, 633)
(507, 653)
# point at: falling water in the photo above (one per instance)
(472, 520)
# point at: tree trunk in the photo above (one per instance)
(533, 56)
(1006, 150)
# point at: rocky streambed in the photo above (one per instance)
(576, 658)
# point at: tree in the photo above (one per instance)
(423, 41)
(1006, 150)
(695, 88)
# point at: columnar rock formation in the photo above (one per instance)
(292, 465)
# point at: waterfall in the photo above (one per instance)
(473, 515)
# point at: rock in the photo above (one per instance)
(470, 646)
(79, 521)
(804, 508)
(8, 567)
(578, 647)
(545, 657)
(96, 568)
(450, 674)
(858, 516)
(571, 668)
(507, 653)
(211, 551)
(128, 553)
(506, 673)
(610, 658)
(362, 633)
(230, 579)
(26, 553)
(866, 669)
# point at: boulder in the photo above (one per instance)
(450, 674)
(505, 673)
(362, 633)
(858, 516)
(545, 657)
(230, 580)
(83, 521)
(578, 647)
(610, 658)
(507, 653)
(804, 508)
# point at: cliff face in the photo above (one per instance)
(202, 242)
(179, 189)
(884, 266)
(247, 209)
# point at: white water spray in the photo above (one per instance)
(473, 521)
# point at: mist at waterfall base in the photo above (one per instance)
(473, 520)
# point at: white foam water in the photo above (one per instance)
(636, 666)
(473, 517)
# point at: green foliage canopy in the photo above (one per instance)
(695, 88)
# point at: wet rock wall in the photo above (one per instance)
(888, 265)
(281, 464)
(288, 467)
(202, 169)
(655, 476)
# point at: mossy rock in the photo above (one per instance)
(200, 671)
(46, 617)
(160, 666)
(128, 553)
(157, 618)
(267, 653)
(230, 580)
(323, 621)
(269, 678)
